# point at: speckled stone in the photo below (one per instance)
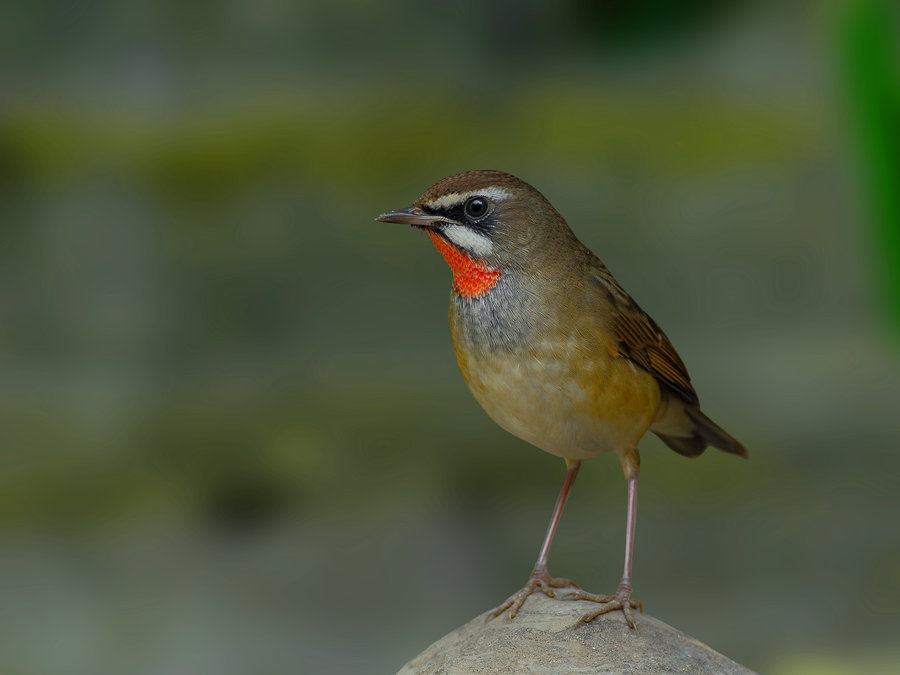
(543, 639)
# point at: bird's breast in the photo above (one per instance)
(550, 381)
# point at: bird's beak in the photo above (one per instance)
(411, 216)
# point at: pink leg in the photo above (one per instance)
(539, 578)
(622, 599)
(630, 518)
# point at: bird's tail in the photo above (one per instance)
(688, 432)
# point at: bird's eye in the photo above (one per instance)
(476, 207)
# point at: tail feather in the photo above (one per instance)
(690, 446)
(701, 432)
(715, 435)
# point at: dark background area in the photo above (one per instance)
(232, 432)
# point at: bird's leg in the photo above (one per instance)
(539, 578)
(622, 599)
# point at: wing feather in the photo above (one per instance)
(643, 342)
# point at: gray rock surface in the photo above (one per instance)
(543, 639)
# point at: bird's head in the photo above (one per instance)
(484, 223)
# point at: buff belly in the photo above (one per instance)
(562, 401)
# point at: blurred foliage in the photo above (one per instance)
(234, 435)
(872, 78)
(329, 140)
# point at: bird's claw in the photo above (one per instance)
(539, 580)
(609, 603)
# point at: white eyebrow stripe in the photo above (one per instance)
(470, 240)
(451, 199)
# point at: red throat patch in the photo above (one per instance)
(471, 278)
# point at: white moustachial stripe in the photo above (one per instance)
(470, 240)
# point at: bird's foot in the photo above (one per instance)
(609, 603)
(539, 580)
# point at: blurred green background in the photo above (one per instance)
(234, 438)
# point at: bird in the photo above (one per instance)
(556, 351)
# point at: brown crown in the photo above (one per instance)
(471, 180)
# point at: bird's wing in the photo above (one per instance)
(641, 341)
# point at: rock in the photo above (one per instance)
(543, 639)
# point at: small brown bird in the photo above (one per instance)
(554, 349)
